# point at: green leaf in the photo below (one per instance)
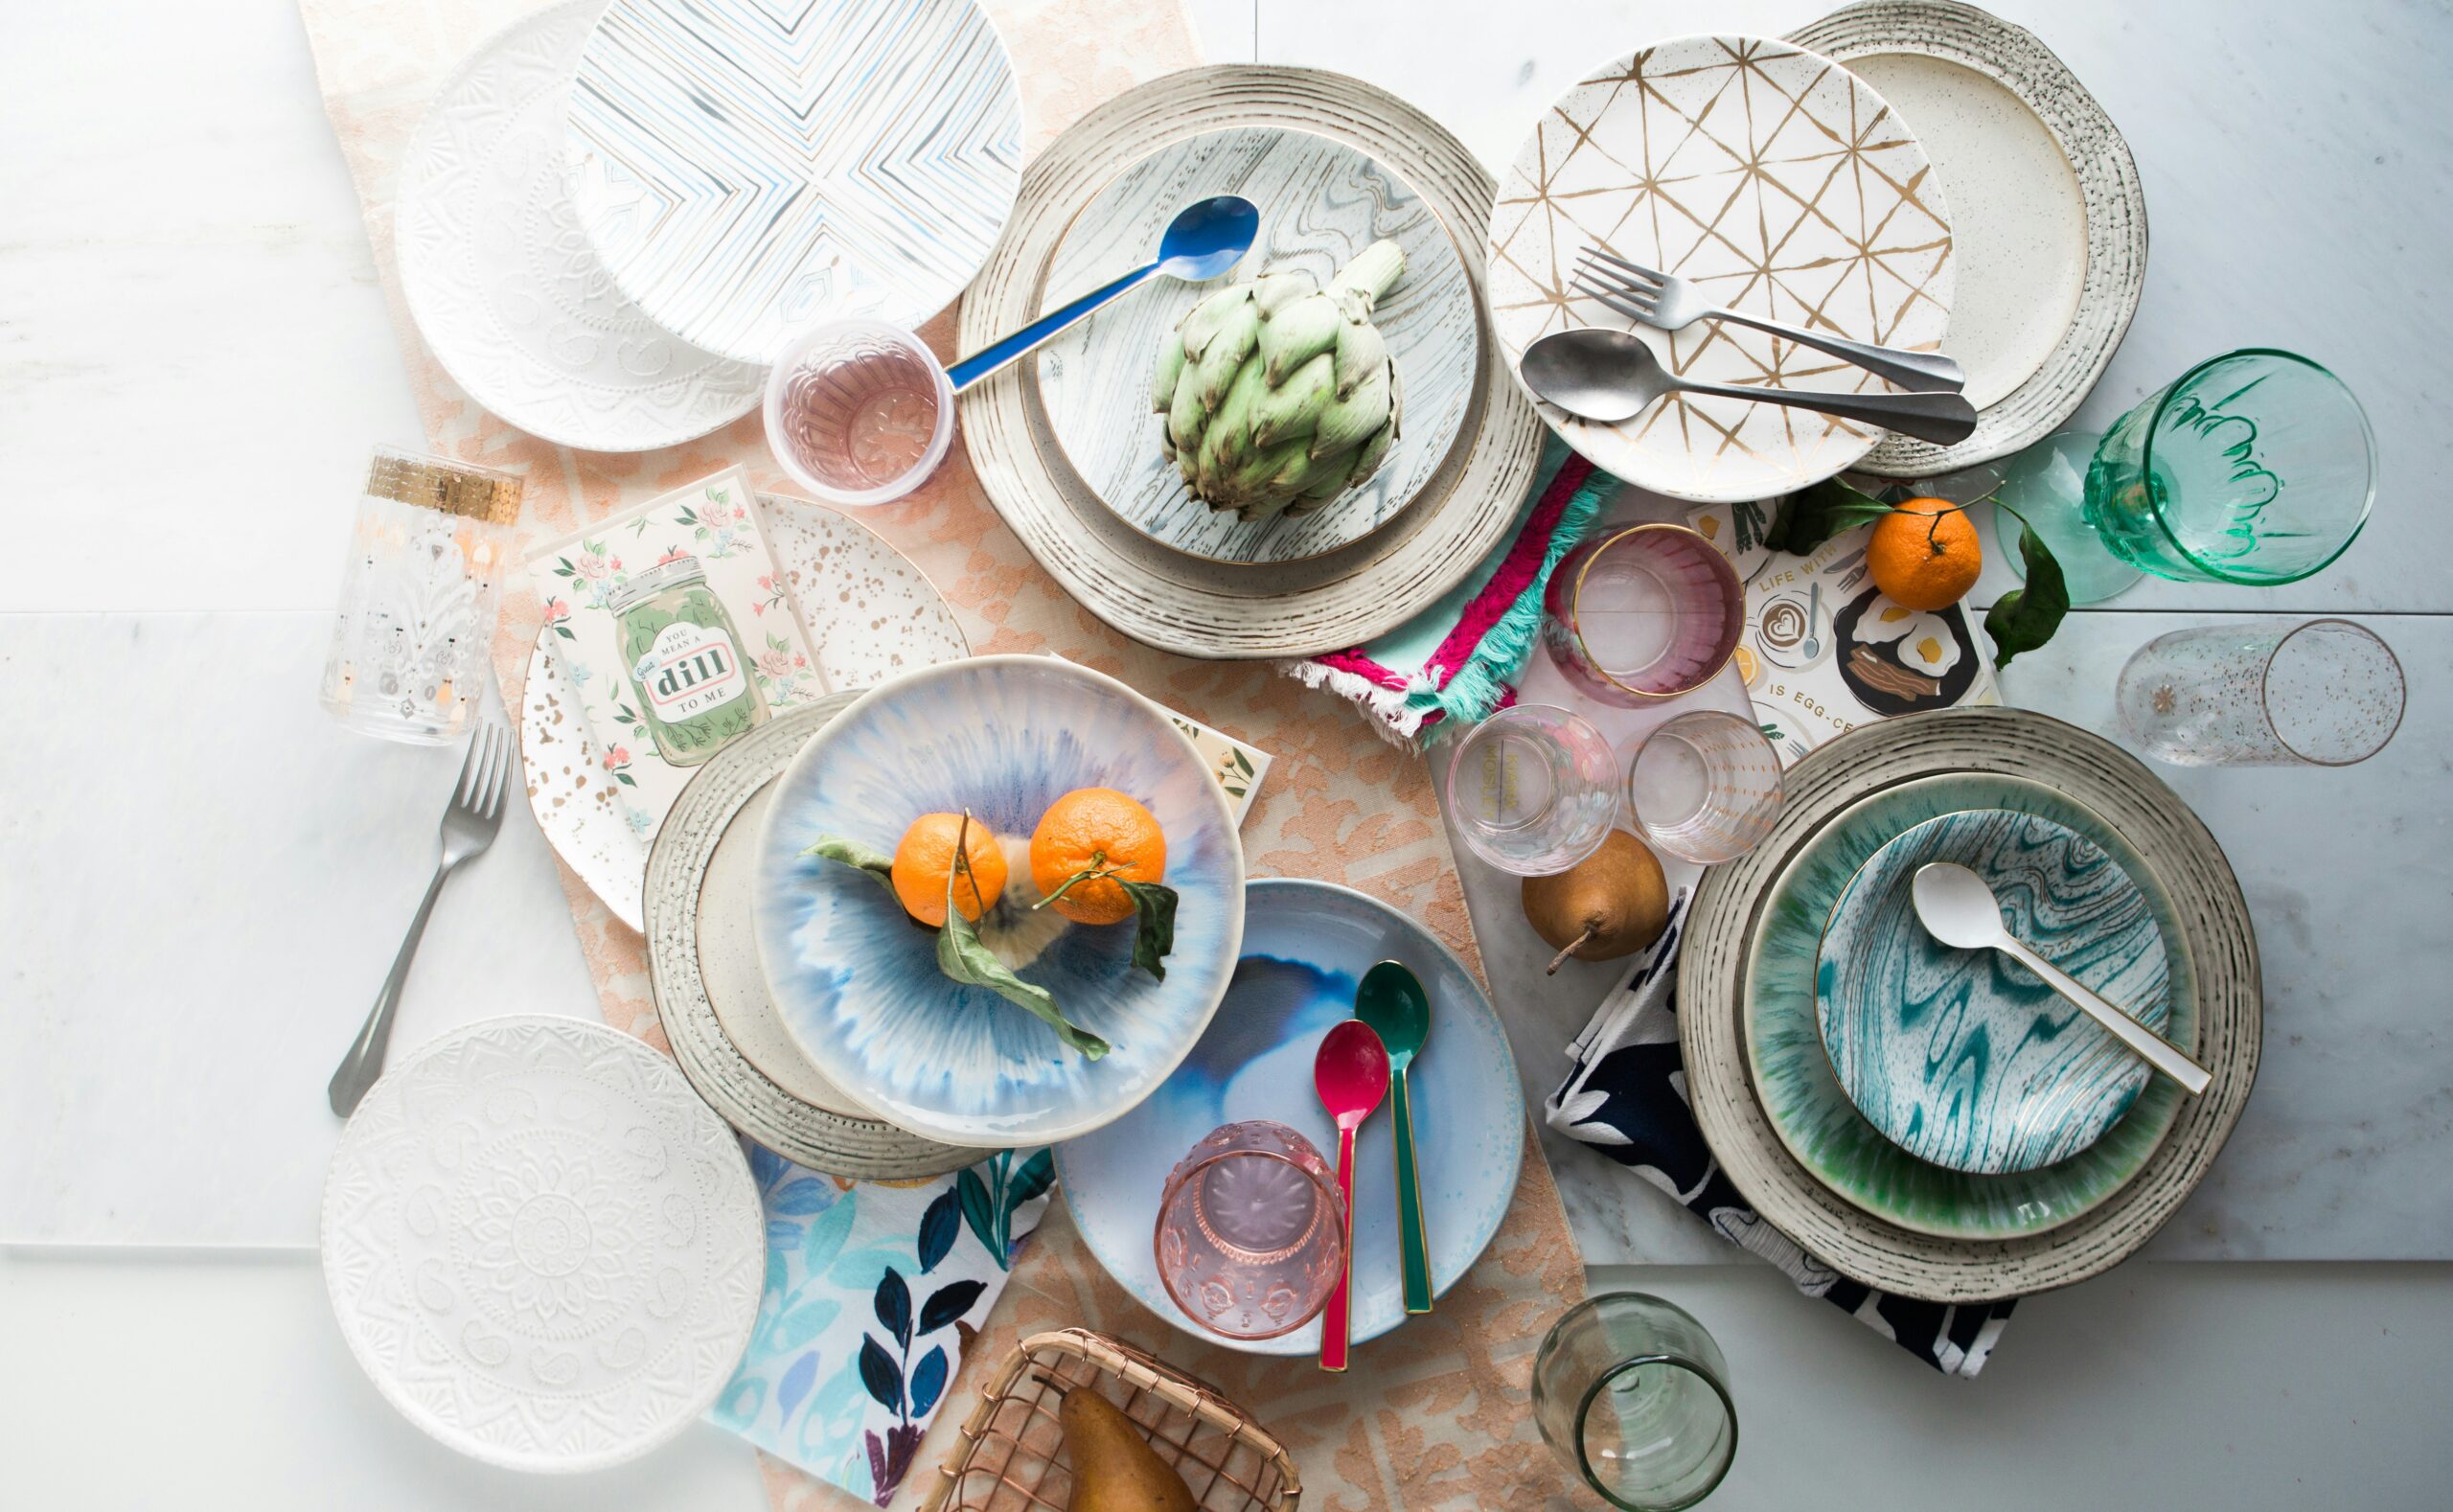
(2023, 619)
(1154, 904)
(1812, 516)
(979, 1211)
(1036, 1174)
(963, 958)
(851, 853)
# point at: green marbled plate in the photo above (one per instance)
(1811, 1113)
(1964, 1058)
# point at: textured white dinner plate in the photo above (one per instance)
(1778, 181)
(870, 615)
(542, 1248)
(747, 169)
(502, 281)
(1322, 201)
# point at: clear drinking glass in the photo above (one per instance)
(2324, 694)
(1705, 786)
(1533, 790)
(2255, 468)
(1252, 1231)
(1644, 613)
(419, 596)
(1632, 1391)
(859, 411)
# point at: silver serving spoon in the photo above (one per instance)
(1611, 376)
(1959, 909)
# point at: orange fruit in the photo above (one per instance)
(1096, 830)
(925, 857)
(1924, 555)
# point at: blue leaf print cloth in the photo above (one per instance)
(873, 1293)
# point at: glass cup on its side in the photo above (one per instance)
(2327, 693)
(1633, 1393)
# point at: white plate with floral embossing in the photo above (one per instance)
(503, 282)
(542, 1247)
(870, 615)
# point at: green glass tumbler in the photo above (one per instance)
(2255, 468)
(1633, 1393)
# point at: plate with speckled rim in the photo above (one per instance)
(1964, 1058)
(1306, 944)
(1812, 1113)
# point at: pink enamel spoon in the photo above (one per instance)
(1351, 1073)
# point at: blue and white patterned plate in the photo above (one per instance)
(857, 983)
(1964, 1058)
(1305, 946)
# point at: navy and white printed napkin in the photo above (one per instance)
(1627, 1098)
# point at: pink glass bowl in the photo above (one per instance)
(1643, 614)
(1252, 1231)
(859, 412)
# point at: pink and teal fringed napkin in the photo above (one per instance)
(1457, 661)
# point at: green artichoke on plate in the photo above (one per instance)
(1279, 395)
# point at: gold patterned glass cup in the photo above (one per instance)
(1633, 1393)
(2327, 693)
(1705, 786)
(1250, 1238)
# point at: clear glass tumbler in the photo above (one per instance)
(1533, 790)
(1633, 1393)
(1250, 1238)
(2324, 694)
(1705, 786)
(1644, 613)
(418, 597)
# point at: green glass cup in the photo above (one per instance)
(1632, 1392)
(2255, 468)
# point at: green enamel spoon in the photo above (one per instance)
(1391, 1000)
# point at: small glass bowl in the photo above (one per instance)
(859, 412)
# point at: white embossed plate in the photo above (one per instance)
(503, 283)
(542, 1248)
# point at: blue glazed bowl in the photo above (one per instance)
(856, 981)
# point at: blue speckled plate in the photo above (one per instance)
(857, 983)
(1964, 1058)
(1803, 1100)
(1305, 946)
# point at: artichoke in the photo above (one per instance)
(1278, 394)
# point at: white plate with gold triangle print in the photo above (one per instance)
(1777, 180)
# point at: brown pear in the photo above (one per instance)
(1612, 902)
(1114, 1468)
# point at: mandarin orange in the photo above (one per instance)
(1090, 837)
(925, 857)
(1924, 554)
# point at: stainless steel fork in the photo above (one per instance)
(1666, 302)
(468, 827)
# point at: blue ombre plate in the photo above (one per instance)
(857, 983)
(1964, 1058)
(1306, 944)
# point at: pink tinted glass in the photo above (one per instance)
(1252, 1231)
(1646, 612)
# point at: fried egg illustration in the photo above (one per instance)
(1920, 641)
(1884, 622)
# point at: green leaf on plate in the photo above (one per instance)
(1154, 935)
(851, 853)
(963, 958)
(2024, 618)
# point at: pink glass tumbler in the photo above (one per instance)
(1643, 614)
(1252, 1231)
(859, 412)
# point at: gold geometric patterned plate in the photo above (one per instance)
(1778, 182)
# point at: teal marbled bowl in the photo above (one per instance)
(1964, 1058)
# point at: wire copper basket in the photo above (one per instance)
(1012, 1453)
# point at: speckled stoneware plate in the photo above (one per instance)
(1158, 595)
(1964, 1058)
(1813, 1115)
(711, 993)
(1734, 906)
(870, 613)
(1778, 183)
(858, 986)
(1305, 946)
(2046, 207)
(1322, 203)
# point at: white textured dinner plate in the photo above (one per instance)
(1780, 184)
(747, 169)
(502, 281)
(1322, 203)
(542, 1247)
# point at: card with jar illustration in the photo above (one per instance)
(671, 621)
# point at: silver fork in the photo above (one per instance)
(468, 827)
(1666, 302)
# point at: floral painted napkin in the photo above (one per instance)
(874, 1291)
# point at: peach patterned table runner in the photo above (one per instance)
(1436, 1415)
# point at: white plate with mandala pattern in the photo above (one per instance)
(870, 615)
(750, 168)
(1778, 181)
(542, 1247)
(503, 283)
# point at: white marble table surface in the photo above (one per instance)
(194, 356)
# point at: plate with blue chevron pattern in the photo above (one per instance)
(746, 168)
